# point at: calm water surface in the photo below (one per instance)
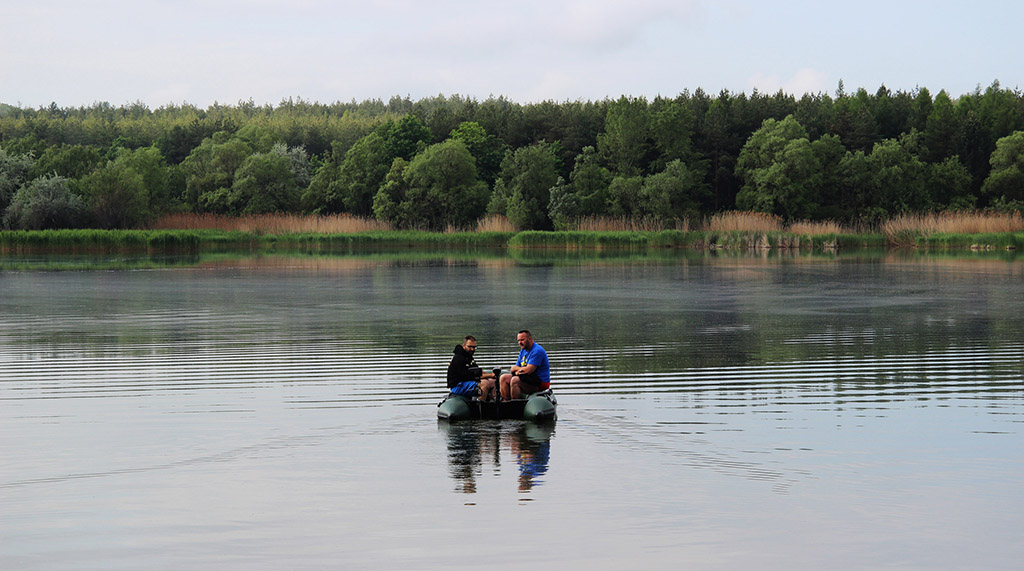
(279, 412)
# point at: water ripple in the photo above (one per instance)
(350, 372)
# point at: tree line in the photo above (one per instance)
(447, 161)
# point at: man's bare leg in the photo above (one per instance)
(486, 389)
(505, 383)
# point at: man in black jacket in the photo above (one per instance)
(463, 369)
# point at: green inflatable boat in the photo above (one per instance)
(538, 407)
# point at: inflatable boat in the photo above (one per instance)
(537, 407)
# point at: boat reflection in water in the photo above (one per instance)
(474, 446)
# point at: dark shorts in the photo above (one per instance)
(532, 379)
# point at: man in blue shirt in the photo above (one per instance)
(531, 373)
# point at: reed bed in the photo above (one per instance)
(726, 231)
(956, 230)
(822, 228)
(743, 222)
(621, 224)
(272, 223)
(926, 224)
(494, 223)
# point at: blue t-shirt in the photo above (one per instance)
(538, 357)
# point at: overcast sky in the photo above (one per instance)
(77, 52)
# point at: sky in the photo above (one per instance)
(159, 52)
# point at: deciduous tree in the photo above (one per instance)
(14, 171)
(69, 161)
(950, 185)
(388, 203)
(265, 183)
(780, 171)
(210, 172)
(117, 196)
(1006, 181)
(675, 193)
(405, 137)
(361, 173)
(624, 196)
(438, 187)
(523, 190)
(486, 149)
(44, 203)
(586, 192)
(890, 180)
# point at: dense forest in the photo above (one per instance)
(449, 160)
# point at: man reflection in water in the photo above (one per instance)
(531, 373)
(463, 373)
(472, 447)
(532, 457)
(467, 448)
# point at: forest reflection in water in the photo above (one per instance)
(715, 410)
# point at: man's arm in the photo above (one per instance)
(524, 370)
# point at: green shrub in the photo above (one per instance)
(46, 202)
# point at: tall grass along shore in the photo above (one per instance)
(729, 230)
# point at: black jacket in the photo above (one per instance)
(462, 367)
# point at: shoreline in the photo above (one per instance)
(193, 241)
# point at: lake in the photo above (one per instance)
(715, 411)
